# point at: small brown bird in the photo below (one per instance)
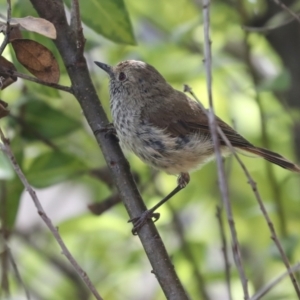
(165, 128)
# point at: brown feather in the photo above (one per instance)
(274, 158)
(187, 117)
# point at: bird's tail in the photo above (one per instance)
(274, 158)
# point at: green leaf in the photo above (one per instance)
(108, 18)
(11, 187)
(52, 168)
(279, 83)
(41, 120)
(12, 191)
(6, 169)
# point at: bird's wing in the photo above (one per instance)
(182, 116)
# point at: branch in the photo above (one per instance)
(253, 185)
(265, 139)
(84, 91)
(5, 147)
(289, 11)
(76, 26)
(224, 251)
(186, 250)
(214, 132)
(7, 31)
(270, 173)
(274, 282)
(18, 276)
(8, 72)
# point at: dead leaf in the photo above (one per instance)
(38, 25)
(3, 111)
(15, 33)
(6, 80)
(37, 59)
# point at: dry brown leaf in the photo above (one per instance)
(6, 80)
(3, 111)
(38, 25)
(37, 59)
(15, 33)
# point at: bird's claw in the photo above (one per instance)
(139, 222)
(109, 130)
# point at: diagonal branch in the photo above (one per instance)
(85, 93)
(214, 132)
(8, 72)
(5, 147)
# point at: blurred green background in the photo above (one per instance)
(255, 66)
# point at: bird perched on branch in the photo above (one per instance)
(165, 128)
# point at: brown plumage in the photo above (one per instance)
(164, 127)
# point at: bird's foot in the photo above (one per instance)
(109, 130)
(183, 180)
(139, 222)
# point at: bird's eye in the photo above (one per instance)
(122, 76)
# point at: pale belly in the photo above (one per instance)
(173, 155)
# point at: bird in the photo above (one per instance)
(166, 129)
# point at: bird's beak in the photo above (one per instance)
(105, 67)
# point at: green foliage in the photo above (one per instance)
(54, 167)
(56, 150)
(6, 170)
(108, 18)
(12, 190)
(44, 121)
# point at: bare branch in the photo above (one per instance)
(224, 250)
(18, 276)
(85, 93)
(7, 31)
(289, 11)
(273, 283)
(5, 147)
(76, 26)
(186, 250)
(7, 72)
(260, 202)
(214, 132)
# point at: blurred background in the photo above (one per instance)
(256, 75)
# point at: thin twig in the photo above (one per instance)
(274, 282)
(9, 72)
(86, 95)
(6, 148)
(253, 185)
(224, 251)
(56, 262)
(276, 193)
(271, 176)
(214, 132)
(235, 244)
(4, 285)
(186, 250)
(18, 276)
(288, 10)
(266, 29)
(7, 31)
